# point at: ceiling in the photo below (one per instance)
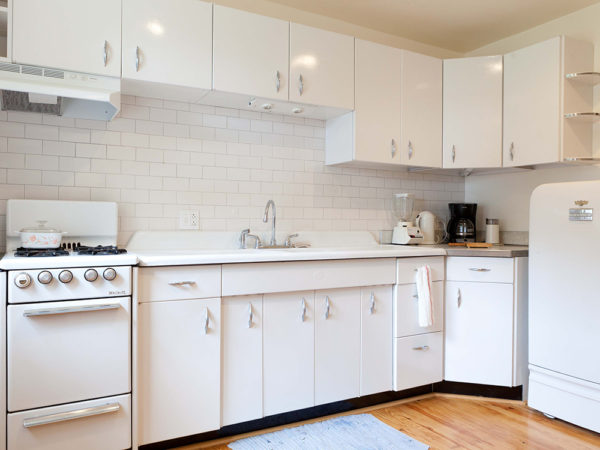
(459, 25)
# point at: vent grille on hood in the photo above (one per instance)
(19, 101)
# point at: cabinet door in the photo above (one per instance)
(242, 359)
(376, 339)
(377, 103)
(532, 80)
(321, 67)
(78, 35)
(406, 306)
(479, 333)
(288, 351)
(179, 368)
(251, 53)
(421, 110)
(168, 42)
(472, 128)
(337, 345)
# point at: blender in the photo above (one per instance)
(405, 233)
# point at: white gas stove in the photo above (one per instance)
(68, 330)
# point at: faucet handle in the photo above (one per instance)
(243, 235)
(288, 240)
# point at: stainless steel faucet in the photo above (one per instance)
(271, 204)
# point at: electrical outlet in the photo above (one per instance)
(189, 219)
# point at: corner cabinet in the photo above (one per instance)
(250, 54)
(395, 91)
(540, 94)
(168, 43)
(472, 129)
(76, 35)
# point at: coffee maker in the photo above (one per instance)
(462, 224)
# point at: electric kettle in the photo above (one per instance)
(426, 222)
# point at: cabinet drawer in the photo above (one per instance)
(406, 310)
(178, 283)
(262, 278)
(466, 268)
(406, 268)
(73, 426)
(418, 360)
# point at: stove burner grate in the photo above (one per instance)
(46, 252)
(99, 250)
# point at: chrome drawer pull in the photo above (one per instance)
(327, 307)
(71, 415)
(182, 283)
(422, 348)
(71, 309)
(303, 310)
(250, 315)
(372, 304)
(479, 269)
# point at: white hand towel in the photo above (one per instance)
(424, 295)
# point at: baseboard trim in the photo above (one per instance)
(479, 390)
(292, 417)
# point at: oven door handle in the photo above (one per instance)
(71, 415)
(101, 305)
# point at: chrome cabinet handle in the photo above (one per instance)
(182, 283)
(92, 306)
(303, 310)
(453, 153)
(71, 415)
(137, 59)
(250, 315)
(372, 304)
(205, 320)
(300, 84)
(479, 269)
(410, 150)
(327, 307)
(277, 81)
(393, 148)
(105, 54)
(422, 348)
(512, 151)
(458, 298)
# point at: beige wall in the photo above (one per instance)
(506, 196)
(276, 10)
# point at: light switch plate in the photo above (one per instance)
(189, 219)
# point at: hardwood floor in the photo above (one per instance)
(446, 421)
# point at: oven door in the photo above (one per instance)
(60, 352)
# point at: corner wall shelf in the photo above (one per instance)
(590, 78)
(583, 116)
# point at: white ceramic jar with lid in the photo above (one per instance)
(492, 231)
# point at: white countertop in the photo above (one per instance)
(183, 257)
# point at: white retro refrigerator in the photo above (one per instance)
(564, 302)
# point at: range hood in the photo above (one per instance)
(52, 91)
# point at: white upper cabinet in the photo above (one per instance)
(536, 95)
(250, 54)
(421, 110)
(168, 42)
(321, 67)
(472, 109)
(77, 35)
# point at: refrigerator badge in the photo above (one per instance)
(581, 214)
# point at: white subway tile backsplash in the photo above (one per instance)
(159, 157)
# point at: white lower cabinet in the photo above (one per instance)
(376, 339)
(179, 368)
(288, 351)
(242, 362)
(479, 333)
(72, 427)
(337, 345)
(419, 360)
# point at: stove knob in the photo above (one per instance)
(65, 276)
(109, 274)
(22, 280)
(44, 277)
(90, 275)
